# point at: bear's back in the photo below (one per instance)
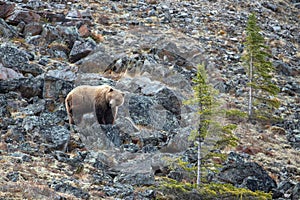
(83, 96)
(89, 90)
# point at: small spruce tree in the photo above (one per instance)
(259, 70)
(204, 99)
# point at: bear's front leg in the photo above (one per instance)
(100, 114)
(109, 116)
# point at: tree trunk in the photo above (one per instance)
(250, 87)
(199, 162)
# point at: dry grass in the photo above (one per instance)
(270, 148)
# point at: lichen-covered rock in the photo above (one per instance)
(246, 174)
(64, 187)
(19, 59)
(168, 99)
(57, 84)
(140, 108)
(13, 57)
(27, 87)
(7, 31)
(55, 137)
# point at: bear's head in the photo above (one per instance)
(114, 97)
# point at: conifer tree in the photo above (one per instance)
(259, 70)
(204, 99)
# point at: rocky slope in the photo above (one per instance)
(149, 49)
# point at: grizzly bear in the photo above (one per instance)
(102, 100)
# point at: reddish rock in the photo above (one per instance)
(251, 150)
(6, 9)
(3, 146)
(23, 16)
(52, 17)
(97, 36)
(104, 20)
(33, 29)
(84, 31)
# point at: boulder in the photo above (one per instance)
(81, 49)
(27, 87)
(13, 57)
(99, 137)
(33, 29)
(7, 31)
(64, 187)
(246, 174)
(57, 84)
(7, 73)
(136, 170)
(26, 16)
(6, 9)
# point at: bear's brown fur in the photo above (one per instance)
(103, 100)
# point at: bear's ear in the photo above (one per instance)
(111, 90)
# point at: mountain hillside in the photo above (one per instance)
(150, 50)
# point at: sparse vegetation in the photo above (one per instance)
(211, 191)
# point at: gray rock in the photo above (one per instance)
(283, 188)
(64, 187)
(7, 73)
(178, 81)
(57, 84)
(139, 109)
(247, 174)
(13, 57)
(170, 101)
(49, 33)
(56, 137)
(28, 87)
(296, 192)
(7, 31)
(119, 190)
(68, 34)
(99, 137)
(13, 176)
(81, 50)
(271, 6)
(34, 69)
(101, 58)
(179, 142)
(62, 74)
(135, 171)
(37, 107)
(286, 68)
